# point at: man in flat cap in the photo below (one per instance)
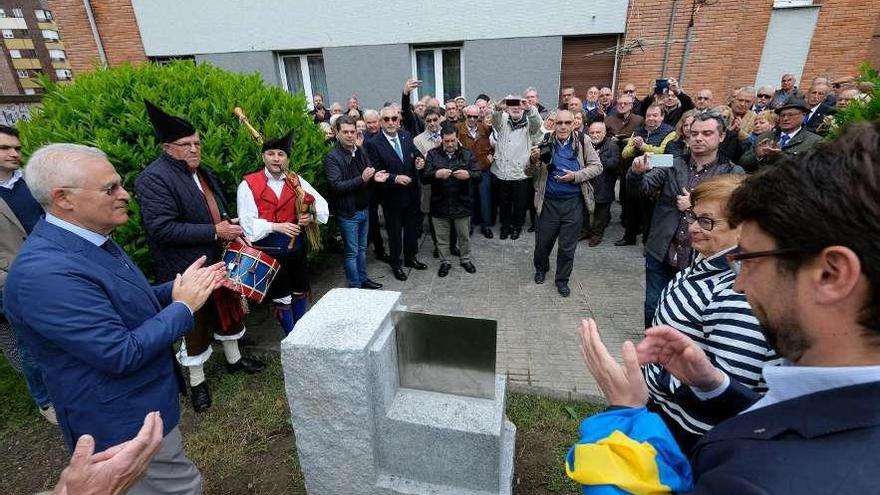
(789, 138)
(186, 216)
(278, 209)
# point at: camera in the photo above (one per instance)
(545, 147)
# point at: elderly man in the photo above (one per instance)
(845, 96)
(318, 111)
(531, 96)
(630, 89)
(606, 100)
(371, 120)
(186, 216)
(763, 98)
(452, 115)
(575, 104)
(562, 194)
(668, 248)
(815, 117)
(624, 121)
(425, 142)
(603, 186)
(591, 105)
(789, 137)
(336, 109)
(102, 334)
(565, 95)
(743, 116)
(675, 102)
(814, 292)
(517, 126)
(703, 100)
(786, 91)
(474, 134)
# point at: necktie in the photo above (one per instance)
(397, 148)
(783, 139)
(435, 136)
(115, 251)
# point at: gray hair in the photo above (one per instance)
(57, 165)
(371, 113)
(333, 118)
(771, 88)
(390, 110)
(748, 90)
(530, 88)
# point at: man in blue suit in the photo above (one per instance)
(99, 332)
(810, 269)
(393, 153)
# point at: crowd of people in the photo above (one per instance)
(98, 357)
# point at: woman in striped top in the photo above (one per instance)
(701, 303)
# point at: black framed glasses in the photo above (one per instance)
(735, 260)
(473, 116)
(705, 223)
(390, 119)
(765, 96)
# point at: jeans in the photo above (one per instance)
(354, 237)
(658, 274)
(483, 205)
(32, 375)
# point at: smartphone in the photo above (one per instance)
(512, 102)
(661, 86)
(660, 161)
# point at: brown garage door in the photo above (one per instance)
(594, 70)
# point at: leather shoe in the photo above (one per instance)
(201, 397)
(245, 365)
(563, 289)
(399, 274)
(369, 284)
(504, 234)
(540, 277)
(487, 233)
(414, 263)
(515, 234)
(595, 241)
(469, 267)
(444, 269)
(625, 242)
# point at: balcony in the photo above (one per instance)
(60, 64)
(50, 25)
(26, 63)
(55, 45)
(19, 44)
(30, 83)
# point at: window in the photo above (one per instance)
(7, 33)
(57, 55)
(29, 91)
(782, 4)
(40, 14)
(166, 60)
(49, 15)
(17, 13)
(2, 13)
(15, 53)
(440, 70)
(48, 34)
(63, 74)
(22, 73)
(304, 73)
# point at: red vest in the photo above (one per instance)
(269, 206)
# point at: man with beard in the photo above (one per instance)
(815, 292)
(320, 113)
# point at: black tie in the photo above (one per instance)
(115, 251)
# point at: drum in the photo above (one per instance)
(250, 270)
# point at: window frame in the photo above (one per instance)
(57, 36)
(15, 53)
(18, 13)
(438, 68)
(8, 34)
(308, 91)
(40, 14)
(25, 73)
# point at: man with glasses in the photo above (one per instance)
(762, 99)
(703, 101)
(789, 137)
(630, 90)
(812, 280)
(395, 155)
(562, 194)
(786, 91)
(668, 248)
(473, 134)
(186, 217)
(624, 120)
(743, 116)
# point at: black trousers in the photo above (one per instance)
(402, 226)
(601, 217)
(559, 219)
(513, 198)
(637, 214)
(374, 234)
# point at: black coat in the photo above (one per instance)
(603, 185)
(176, 217)
(450, 198)
(348, 191)
(383, 157)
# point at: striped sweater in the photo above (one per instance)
(701, 303)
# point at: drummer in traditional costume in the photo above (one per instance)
(278, 211)
(186, 216)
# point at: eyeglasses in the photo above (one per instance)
(629, 91)
(431, 121)
(564, 122)
(390, 119)
(735, 259)
(473, 116)
(191, 144)
(703, 98)
(765, 96)
(109, 190)
(706, 223)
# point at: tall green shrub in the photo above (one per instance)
(860, 110)
(105, 109)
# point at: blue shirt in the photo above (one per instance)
(564, 160)
(20, 200)
(93, 237)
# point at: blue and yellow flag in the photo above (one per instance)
(627, 451)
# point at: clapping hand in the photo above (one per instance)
(681, 356)
(622, 385)
(197, 282)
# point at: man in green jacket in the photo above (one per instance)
(789, 137)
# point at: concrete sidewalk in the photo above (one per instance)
(537, 339)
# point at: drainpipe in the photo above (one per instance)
(668, 40)
(687, 45)
(101, 54)
(616, 60)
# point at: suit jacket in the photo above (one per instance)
(383, 157)
(176, 216)
(802, 142)
(812, 124)
(12, 235)
(98, 333)
(823, 442)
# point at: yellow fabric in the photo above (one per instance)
(618, 460)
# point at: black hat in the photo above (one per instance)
(282, 143)
(168, 127)
(482, 97)
(794, 102)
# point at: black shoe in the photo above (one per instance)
(625, 242)
(595, 240)
(398, 273)
(563, 289)
(369, 284)
(540, 277)
(245, 365)
(444, 269)
(471, 230)
(414, 263)
(532, 228)
(201, 397)
(504, 234)
(515, 234)
(454, 251)
(436, 253)
(469, 267)
(487, 233)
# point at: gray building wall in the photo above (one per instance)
(265, 63)
(374, 73)
(501, 66)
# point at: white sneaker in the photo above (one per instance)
(49, 414)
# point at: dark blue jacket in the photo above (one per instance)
(825, 442)
(176, 216)
(98, 333)
(603, 185)
(348, 191)
(383, 157)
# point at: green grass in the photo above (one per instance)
(17, 410)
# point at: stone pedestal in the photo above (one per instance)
(358, 431)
